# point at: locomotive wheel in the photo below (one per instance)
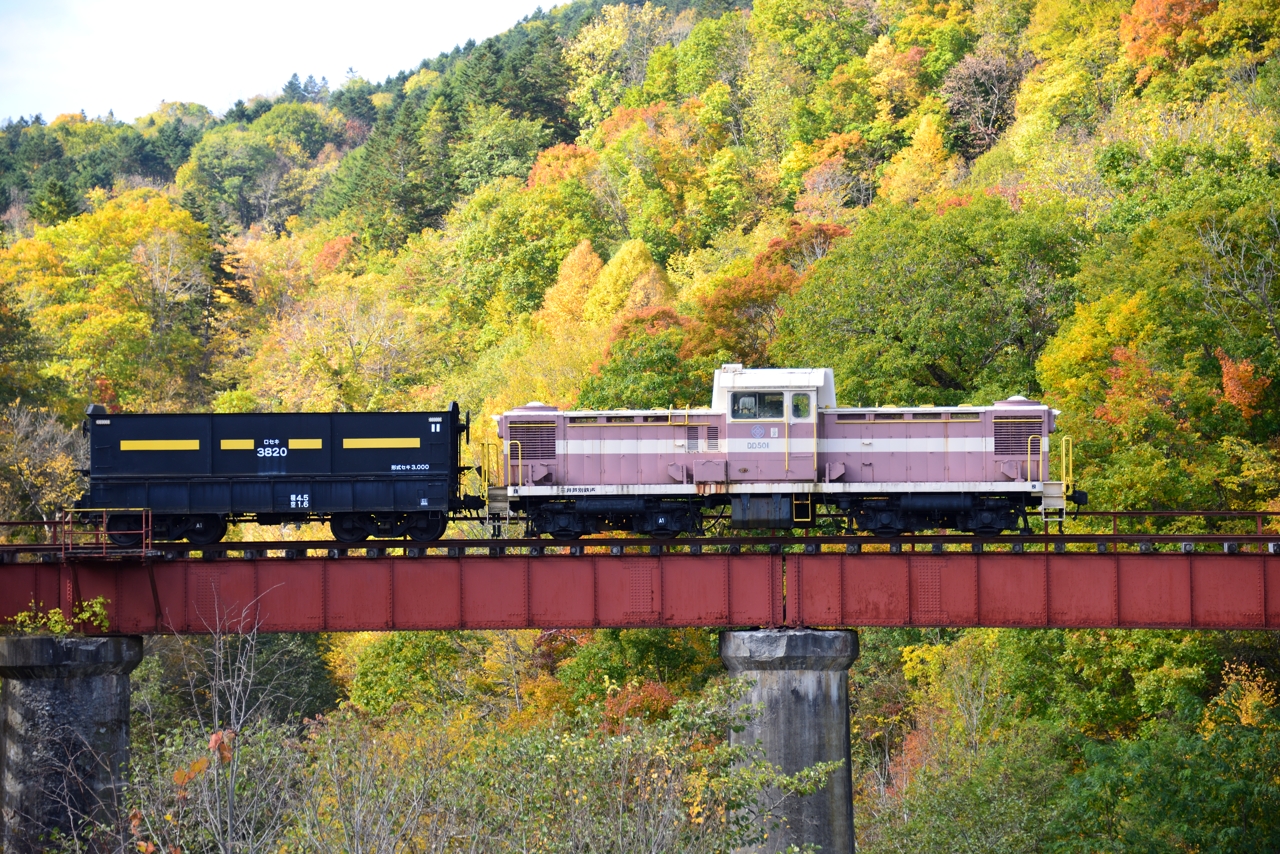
(346, 528)
(212, 529)
(426, 527)
(131, 525)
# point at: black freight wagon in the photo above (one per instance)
(384, 474)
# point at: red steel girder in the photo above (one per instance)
(1042, 589)
(373, 594)
(998, 589)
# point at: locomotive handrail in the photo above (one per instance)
(1068, 465)
(519, 462)
(489, 453)
(1040, 443)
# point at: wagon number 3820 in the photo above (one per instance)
(272, 448)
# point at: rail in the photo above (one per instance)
(39, 538)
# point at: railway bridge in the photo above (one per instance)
(789, 607)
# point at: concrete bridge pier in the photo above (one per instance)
(801, 682)
(64, 734)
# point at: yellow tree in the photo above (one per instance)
(40, 462)
(922, 168)
(610, 55)
(630, 281)
(350, 345)
(120, 297)
(564, 301)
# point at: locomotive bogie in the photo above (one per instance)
(653, 517)
(985, 516)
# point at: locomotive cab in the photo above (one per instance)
(774, 434)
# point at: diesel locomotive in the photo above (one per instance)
(772, 451)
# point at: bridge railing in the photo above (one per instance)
(30, 536)
(105, 532)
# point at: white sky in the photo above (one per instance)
(63, 56)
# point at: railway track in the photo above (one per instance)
(937, 543)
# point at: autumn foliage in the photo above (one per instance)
(944, 203)
(1162, 31)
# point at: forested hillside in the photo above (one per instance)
(1074, 200)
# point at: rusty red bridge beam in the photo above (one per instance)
(1157, 590)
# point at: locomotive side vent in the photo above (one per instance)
(691, 439)
(1012, 435)
(713, 438)
(537, 439)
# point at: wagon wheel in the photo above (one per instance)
(125, 531)
(212, 529)
(346, 528)
(426, 527)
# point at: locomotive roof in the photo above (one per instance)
(736, 378)
(730, 378)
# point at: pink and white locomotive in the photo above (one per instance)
(775, 449)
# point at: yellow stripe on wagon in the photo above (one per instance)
(237, 444)
(159, 444)
(406, 442)
(305, 444)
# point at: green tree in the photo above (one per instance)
(237, 170)
(820, 34)
(424, 670)
(648, 366)
(1170, 404)
(917, 308)
(55, 201)
(305, 125)
(684, 659)
(494, 144)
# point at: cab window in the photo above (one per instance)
(799, 406)
(757, 404)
